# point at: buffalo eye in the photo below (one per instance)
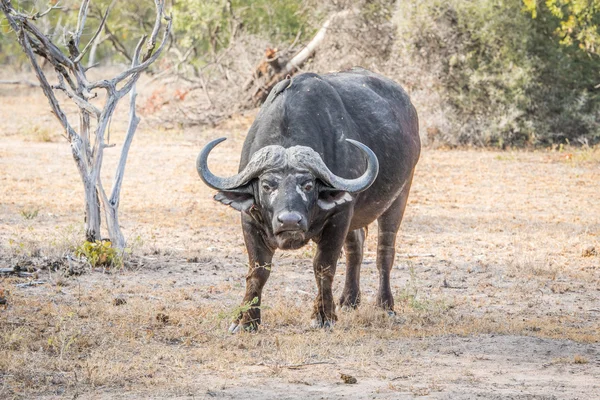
(308, 186)
(267, 187)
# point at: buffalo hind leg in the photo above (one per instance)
(388, 223)
(354, 255)
(260, 257)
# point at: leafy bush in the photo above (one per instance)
(206, 27)
(579, 21)
(502, 77)
(99, 254)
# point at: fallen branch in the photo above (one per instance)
(280, 72)
(416, 255)
(446, 285)
(28, 284)
(405, 255)
(16, 271)
(298, 366)
(294, 366)
(22, 82)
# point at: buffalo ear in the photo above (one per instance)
(329, 198)
(241, 200)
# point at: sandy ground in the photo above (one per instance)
(497, 280)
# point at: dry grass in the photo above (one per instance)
(508, 289)
(38, 133)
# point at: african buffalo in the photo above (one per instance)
(326, 156)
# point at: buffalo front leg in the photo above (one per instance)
(354, 255)
(388, 223)
(260, 257)
(324, 264)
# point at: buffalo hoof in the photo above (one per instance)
(345, 308)
(318, 323)
(390, 313)
(350, 298)
(236, 328)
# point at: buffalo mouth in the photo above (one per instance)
(290, 239)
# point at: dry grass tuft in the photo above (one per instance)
(40, 134)
(579, 359)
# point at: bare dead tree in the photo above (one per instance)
(88, 142)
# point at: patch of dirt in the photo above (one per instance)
(496, 292)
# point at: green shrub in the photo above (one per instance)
(99, 254)
(207, 26)
(504, 77)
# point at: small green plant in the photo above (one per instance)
(26, 243)
(410, 291)
(246, 306)
(242, 308)
(99, 254)
(409, 297)
(29, 213)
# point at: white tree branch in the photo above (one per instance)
(160, 5)
(81, 103)
(87, 46)
(43, 13)
(134, 120)
(71, 134)
(81, 18)
(138, 68)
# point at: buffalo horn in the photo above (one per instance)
(214, 181)
(362, 182)
(273, 156)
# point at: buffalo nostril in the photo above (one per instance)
(289, 218)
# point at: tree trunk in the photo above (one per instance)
(92, 211)
(117, 239)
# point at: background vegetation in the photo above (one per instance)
(503, 77)
(481, 72)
